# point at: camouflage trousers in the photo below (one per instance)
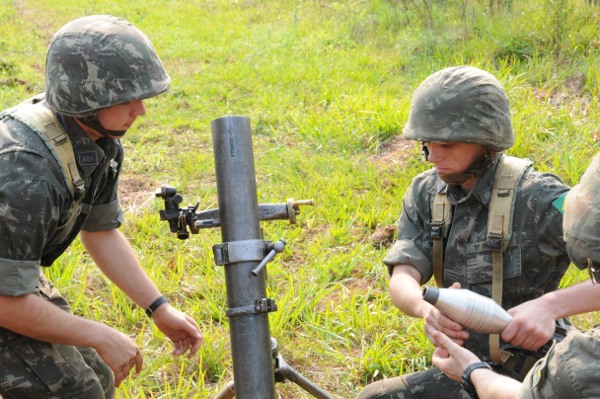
(31, 369)
(430, 384)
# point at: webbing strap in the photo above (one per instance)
(440, 220)
(41, 120)
(499, 234)
(500, 218)
(497, 286)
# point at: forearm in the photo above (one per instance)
(406, 292)
(114, 256)
(491, 385)
(36, 318)
(580, 298)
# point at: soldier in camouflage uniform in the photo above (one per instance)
(571, 367)
(99, 71)
(461, 116)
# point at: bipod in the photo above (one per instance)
(244, 255)
(283, 372)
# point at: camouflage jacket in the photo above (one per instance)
(534, 262)
(570, 369)
(39, 214)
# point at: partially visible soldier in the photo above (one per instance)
(60, 159)
(571, 367)
(449, 229)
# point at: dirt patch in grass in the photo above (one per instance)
(393, 155)
(136, 192)
(395, 152)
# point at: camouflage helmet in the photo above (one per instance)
(461, 104)
(99, 61)
(581, 222)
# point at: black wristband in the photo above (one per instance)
(155, 305)
(467, 385)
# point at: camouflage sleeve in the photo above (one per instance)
(414, 246)
(550, 218)
(28, 218)
(581, 222)
(569, 370)
(104, 217)
(106, 212)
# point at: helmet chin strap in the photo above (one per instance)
(94, 123)
(476, 169)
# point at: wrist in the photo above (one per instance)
(467, 384)
(554, 304)
(151, 309)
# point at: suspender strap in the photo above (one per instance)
(42, 121)
(440, 221)
(500, 219)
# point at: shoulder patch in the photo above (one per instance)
(88, 158)
(559, 203)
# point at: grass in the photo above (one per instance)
(327, 87)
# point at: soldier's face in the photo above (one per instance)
(122, 116)
(453, 158)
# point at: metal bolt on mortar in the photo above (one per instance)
(257, 364)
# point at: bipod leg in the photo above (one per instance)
(284, 371)
(228, 392)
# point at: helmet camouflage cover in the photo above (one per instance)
(461, 104)
(99, 61)
(581, 222)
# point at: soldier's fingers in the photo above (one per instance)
(510, 334)
(185, 345)
(138, 361)
(515, 338)
(532, 343)
(453, 329)
(458, 342)
(196, 344)
(119, 376)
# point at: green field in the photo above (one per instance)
(327, 86)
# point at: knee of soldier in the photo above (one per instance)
(107, 381)
(101, 385)
(386, 388)
(109, 387)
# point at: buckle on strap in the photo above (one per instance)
(436, 230)
(495, 241)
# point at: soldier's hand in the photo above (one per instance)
(120, 353)
(436, 321)
(451, 358)
(181, 329)
(531, 327)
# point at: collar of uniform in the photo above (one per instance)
(87, 153)
(483, 189)
(481, 192)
